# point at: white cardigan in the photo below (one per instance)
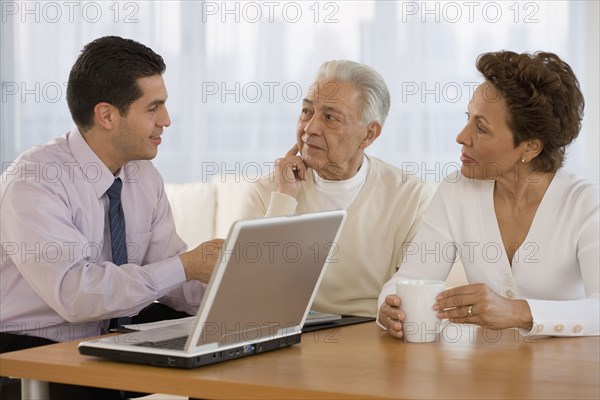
(556, 269)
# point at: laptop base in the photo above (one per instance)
(184, 361)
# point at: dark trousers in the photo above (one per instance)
(11, 388)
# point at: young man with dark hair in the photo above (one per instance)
(93, 244)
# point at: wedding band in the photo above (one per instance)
(470, 310)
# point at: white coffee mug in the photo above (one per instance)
(417, 297)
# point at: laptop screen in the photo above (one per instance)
(289, 254)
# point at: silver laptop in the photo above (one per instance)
(257, 299)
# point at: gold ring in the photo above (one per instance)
(470, 310)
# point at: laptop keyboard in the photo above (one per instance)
(177, 343)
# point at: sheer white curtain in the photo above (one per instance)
(237, 71)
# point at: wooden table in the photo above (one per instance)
(357, 361)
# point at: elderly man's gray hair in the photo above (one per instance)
(375, 93)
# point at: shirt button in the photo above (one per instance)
(540, 327)
(577, 328)
(510, 293)
(558, 328)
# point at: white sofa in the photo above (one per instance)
(206, 210)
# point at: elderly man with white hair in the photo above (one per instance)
(327, 169)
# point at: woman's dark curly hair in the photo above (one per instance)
(543, 100)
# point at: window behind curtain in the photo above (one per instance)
(237, 71)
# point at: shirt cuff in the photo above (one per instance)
(168, 274)
(546, 322)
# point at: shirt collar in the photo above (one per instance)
(93, 170)
(356, 180)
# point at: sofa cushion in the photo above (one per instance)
(193, 206)
(230, 192)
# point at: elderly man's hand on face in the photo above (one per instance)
(290, 171)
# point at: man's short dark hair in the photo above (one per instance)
(107, 70)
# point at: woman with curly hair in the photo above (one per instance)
(526, 230)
